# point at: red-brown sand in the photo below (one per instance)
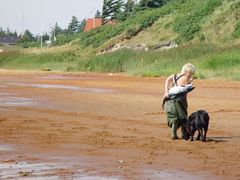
(113, 126)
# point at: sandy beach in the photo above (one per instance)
(111, 126)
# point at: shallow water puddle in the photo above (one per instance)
(5, 148)
(176, 174)
(61, 77)
(75, 88)
(54, 77)
(16, 101)
(24, 170)
(95, 178)
(67, 77)
(11, 168)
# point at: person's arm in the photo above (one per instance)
(190, 81)
(168, 81)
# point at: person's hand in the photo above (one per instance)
(164, 99)
(165, 95)
(191, 79)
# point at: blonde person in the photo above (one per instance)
(175, 105)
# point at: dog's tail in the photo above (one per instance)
(203, 119)
(206, 120)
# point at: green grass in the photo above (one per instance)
(7, 48)
(210, 21)
(224, 63)
(188, 23)
(211, 62)
(236, 33)
(128, 28)
(54, 61)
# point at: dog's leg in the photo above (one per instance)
(185, 134)
(201, 134)
(192, 134)
(204, 136)
(198, 137)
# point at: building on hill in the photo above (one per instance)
(97, 22)
(8, 40)
(92, 23)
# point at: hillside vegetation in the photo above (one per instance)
(153, 42)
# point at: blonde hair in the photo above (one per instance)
(188, 68)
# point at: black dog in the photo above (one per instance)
(198, 120)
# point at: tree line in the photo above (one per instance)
(7, 32)
(118, 10)
(28, 39)
(121, 10)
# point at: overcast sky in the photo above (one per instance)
(42, 14)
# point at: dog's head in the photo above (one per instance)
(191, 123)
(185, 130)
(191, 118)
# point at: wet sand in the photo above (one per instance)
(100, 126)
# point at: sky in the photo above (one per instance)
(40, 15)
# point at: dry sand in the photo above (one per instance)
(93, 126)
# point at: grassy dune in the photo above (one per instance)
(208, 34)
(211, 61)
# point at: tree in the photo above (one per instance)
(111, 9)
(7, 32)
(45, 37)
(151, 3)
(105, 10)
(117, 9)
(73, 25)
(2, 32)
(129, 6)
(15, 34)
(27, 37)
(82, 25)
(56, 30)
(98, 14)
(128, 9)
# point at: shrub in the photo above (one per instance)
(29, 44)
(63, 39)
(188, 25)
(236, 32)
(130, 27)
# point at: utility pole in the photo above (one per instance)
(54, 36)
(41, 36)
(22, 22)
(41, 39)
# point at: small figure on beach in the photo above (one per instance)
(175, 99)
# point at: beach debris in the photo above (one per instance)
(24, 173)
(9, 161)
(121, 161)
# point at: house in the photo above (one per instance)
(97, 22)
(92, 23)
(8, 40)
